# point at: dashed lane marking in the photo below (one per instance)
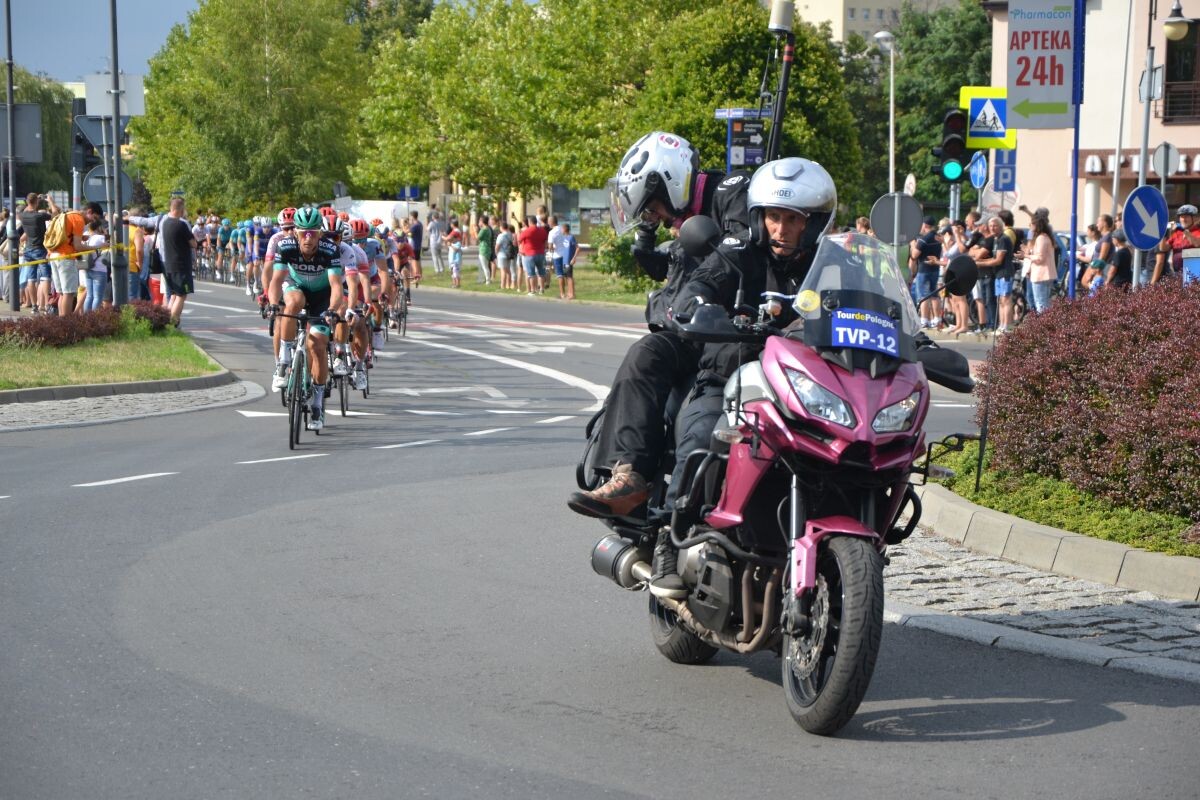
(552, 420)
(405, 444)
(428, 413)
(489, 430)
(125, 480)
(284, 458)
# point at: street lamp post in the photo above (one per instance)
(887, 41)
(1175, 27)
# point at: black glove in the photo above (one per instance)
(646, 237)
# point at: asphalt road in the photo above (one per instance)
(408, 611)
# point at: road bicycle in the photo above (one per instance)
(298, 394)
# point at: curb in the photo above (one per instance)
(1052, 550)
(1002, 637)
(42, 393)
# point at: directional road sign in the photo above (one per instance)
(98, 130)
(978, 170)
(1041, 57)
(1005, 179)
(1145, 217)
(987, 117)
(746, 148)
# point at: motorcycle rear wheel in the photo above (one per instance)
(827, 672)
(673, 640)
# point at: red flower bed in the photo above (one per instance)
(1104, 393)
(55, 331)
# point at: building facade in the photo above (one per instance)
(1111, 116)
(864, 17)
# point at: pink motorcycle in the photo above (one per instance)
(783, 524)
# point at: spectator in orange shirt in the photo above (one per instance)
(64, 270)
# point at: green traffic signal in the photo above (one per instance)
(952, 171)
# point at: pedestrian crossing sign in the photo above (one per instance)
(987, 118)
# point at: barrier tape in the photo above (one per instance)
(60, 257)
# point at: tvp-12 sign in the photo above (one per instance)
(1041, 63)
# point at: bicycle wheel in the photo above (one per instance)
(297, 391)
(344, 393)
(366, 389)
(402, 313)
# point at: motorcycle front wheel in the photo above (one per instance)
(827, 671)
(673, 640)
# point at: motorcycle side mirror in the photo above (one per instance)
(961, 275)
(699, 236)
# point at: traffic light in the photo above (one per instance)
(952, 155)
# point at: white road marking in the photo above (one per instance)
(952, 405)
(5, 496)
(489, 430)
(540, 347)
(364, 414)
(241, 310)
(284, 458)
(418, 335)
(405, 444)
(426, 413)
(476, 332)
(490, 391)
(507, 411)
(552, 420)
(594, 331)
(599, 330)
(262, 413)
(126, 480)
(594, 389)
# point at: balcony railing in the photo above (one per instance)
(1180, 104)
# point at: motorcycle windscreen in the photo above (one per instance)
(855, 300)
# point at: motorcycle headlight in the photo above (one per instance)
(819, 401)
(898, 416)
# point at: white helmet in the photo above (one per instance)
(797, 184)
(660, 166)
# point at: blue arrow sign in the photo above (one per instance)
(1146, 217)
(978, 170)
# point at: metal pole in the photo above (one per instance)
(1149, 81)
(14, 291)
(1116, 187)
(120, 272)
(1080, 19)
(892, 148)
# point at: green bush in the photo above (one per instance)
(611, 255)
(1102, 393)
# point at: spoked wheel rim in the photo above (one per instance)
(810, 658)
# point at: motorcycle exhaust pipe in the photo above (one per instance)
(621, 561)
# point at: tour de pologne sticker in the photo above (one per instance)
(866, 330)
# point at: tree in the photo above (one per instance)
(865, 77)
(939, 52)
(252, 106)
(379, 20)
(55, 170)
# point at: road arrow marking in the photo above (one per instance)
(126, 480)
(1149, 219)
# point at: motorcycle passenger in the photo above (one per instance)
(658, 182)
(791, 203)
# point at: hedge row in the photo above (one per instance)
(1104, 394)
(56, 331)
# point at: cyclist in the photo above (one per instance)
(286, 224)
(312, 281)
(378, 282)
(354, 268)
(224, 236)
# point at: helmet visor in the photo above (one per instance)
(620, 209)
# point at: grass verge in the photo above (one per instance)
(1060, 505)
(131, 356)
(590, 283)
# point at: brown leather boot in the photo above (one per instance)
(624, 491)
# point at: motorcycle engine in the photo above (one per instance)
(705, 568)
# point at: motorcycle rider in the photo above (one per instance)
(791, 204)
(658, 182)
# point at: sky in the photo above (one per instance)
(142, 28)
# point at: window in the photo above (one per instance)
(880, 15)
(850, 12)
(1181, 90)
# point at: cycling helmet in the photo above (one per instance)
(796, 184)
(660, 166)
(287, 217)
(344, 231)
(226, 222)
(1187, 208)
(307, 219)
(377, 222)
(359, 228)
(344, 216)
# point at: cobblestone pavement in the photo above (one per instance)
(93, 410)
(938, 575)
